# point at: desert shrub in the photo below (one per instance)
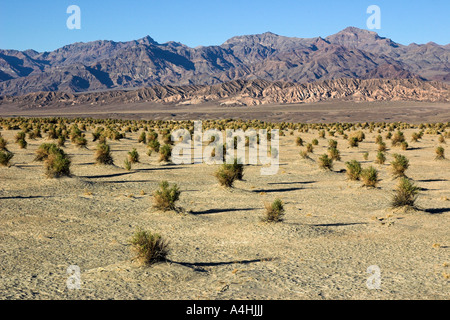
(226, 175)
(440, 153)
(315, 142)
(415, 137)
(304, 154)
(133, 156)
(405, 194)
(61, 141)
(103, 154)
(238, 168)
(399, 165)
(5, 158)
(398, 138)
(52, 134)
(165, 197)
(3, 143)
(127, 164)
(359, 136)
(20, 136)
(152, 136)
(332, 143)
(22, 143)
(366, 155)
(353, 170)
(274, 211)
(57, 164)
(149, 248)
(299, 141)
(165, 152)
(102, 139)
(80, 141)
(334, 153)
(381, 158)
(369, 177)
(325, 162)
(441, 139)
(96, 135)
(45, 150)
(404, 145)
(309, 148)
(382, 147)
(154, 145)
(322, 134)
(142, 138)
(167, 139)
(353, 142)
(378, 139)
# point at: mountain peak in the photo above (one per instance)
(356, 30)
(147, 40)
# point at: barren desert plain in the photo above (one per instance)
(334, 228)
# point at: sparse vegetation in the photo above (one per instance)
(369, 176)
(405, 194)
(5, 158)
(274, 211)
(149, 248)
(353, 170)
(166, 196)
(399, 165)
(103, 154)
(326, 162)
(440, 153)
(57, 163)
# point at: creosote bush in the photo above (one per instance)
(3, 144)
(44, 151)
(399, 165)
(353, 170)
(381, 158)
(165, 197)
(127, 164)
(57, 164)
(165, 152)
(334, 153)
(149, 248)
(133, 156)
(103, 154)
(274, 211)
(369, 176)
(353, 142)
(326, 162)
(440, 153)
(5, 158)
(226, 175)
(405, 194)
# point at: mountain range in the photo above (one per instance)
(252, 59)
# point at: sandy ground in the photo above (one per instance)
(221, 250)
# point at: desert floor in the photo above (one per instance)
(330, 111)
(334, 229)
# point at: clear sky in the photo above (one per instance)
(41, 24)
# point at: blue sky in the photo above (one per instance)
(41, 25)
